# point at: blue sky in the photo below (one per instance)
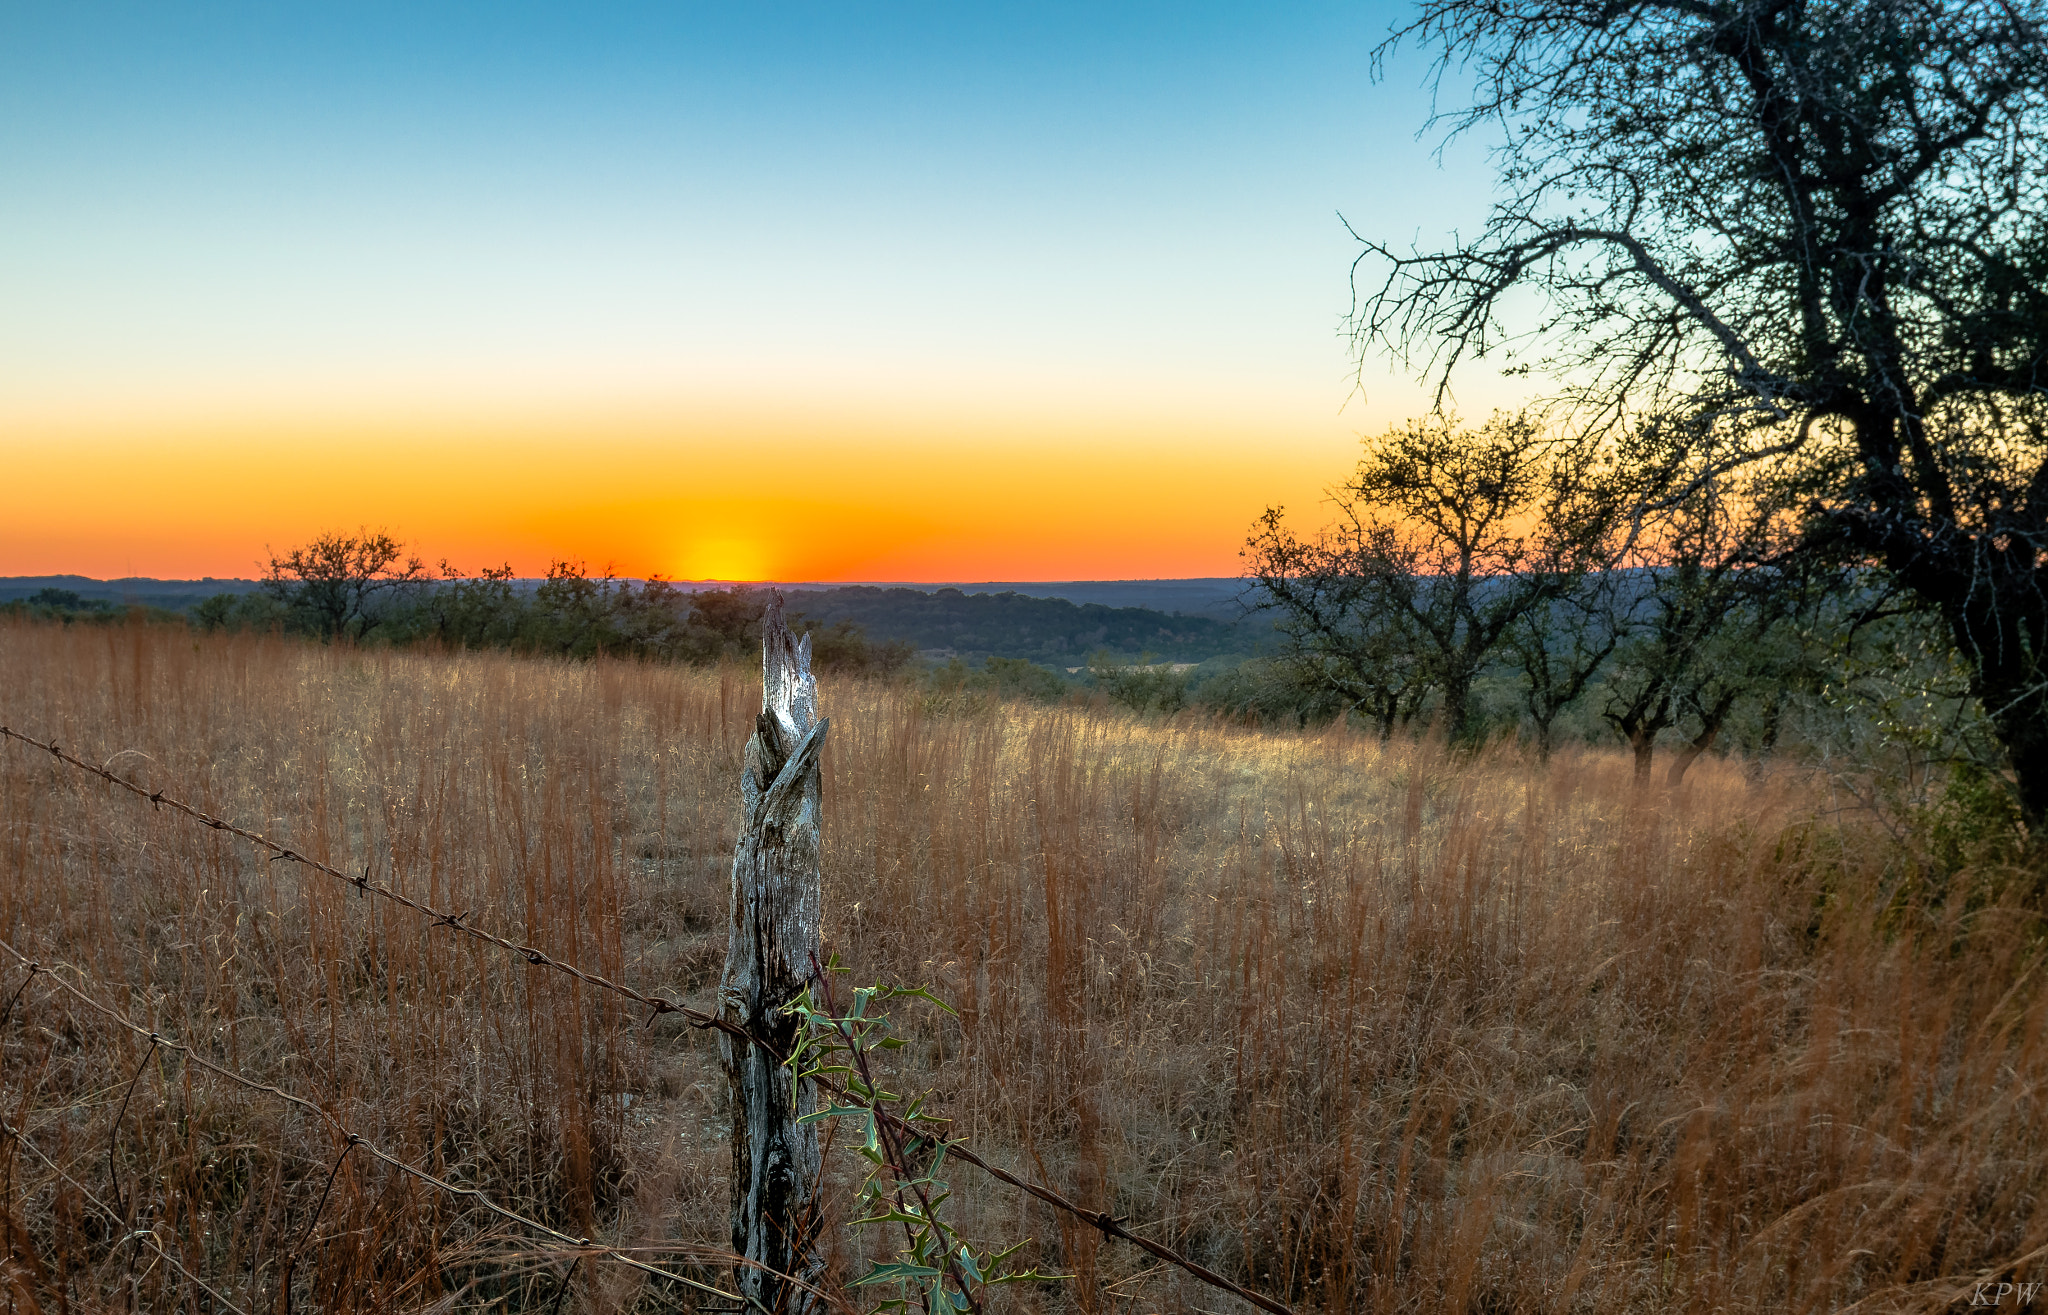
(230, 209)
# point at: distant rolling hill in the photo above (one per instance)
(172, 595)
(1214, 596)
(1052, 630)
(1055, 622)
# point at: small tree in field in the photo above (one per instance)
(1702, 588)
(334, 586)
(1446, 539)
(1561, 647)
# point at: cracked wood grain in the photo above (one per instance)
(775, 916)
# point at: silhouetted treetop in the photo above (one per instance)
(1816, 232)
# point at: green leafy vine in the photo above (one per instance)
(904, 1148)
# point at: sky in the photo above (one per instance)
(764, 291)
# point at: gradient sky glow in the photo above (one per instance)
(897, 291)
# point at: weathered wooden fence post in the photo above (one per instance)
(773, 945)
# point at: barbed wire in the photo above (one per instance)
(352, 1140)
(1101, 1220)
(533, 955)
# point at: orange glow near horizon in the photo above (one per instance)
(691, 493)
(919, 294)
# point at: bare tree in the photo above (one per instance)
(1350, 645)
(1706, 590)
(1821, 226)
(1684, 660)
(334, 585)
(1446, 539)
(1562, 645)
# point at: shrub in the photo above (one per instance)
(1141, 686)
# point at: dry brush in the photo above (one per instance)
(1354, 1023)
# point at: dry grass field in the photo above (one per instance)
(1359, 1025)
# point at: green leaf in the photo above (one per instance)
(923, 993)
(832, 1112)
(895, 1272)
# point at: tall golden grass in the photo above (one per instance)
(1362, 1025)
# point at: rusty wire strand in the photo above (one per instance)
(582, 1245)
(291, 1262)
(1100, 1220)
(562, 1288)
(114, 1133)
(532, 954)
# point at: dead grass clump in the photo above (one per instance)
(1359, 1024)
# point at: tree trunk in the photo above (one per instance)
(1711, 721)
(1774, 719)
(2003, 640)
(771, 953)
(2022, 725)
(1388, 711)
(1457, 714)
(1642, 739)
(1687, 756)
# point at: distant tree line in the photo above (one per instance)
(1504, 580)
(366, 588)
(67, 605)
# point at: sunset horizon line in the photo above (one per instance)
(804, 583)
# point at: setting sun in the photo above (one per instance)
(725, 559)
